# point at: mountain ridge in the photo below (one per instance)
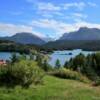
(25, 38)
(83, 33)
(84, 38)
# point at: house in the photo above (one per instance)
(3, 62)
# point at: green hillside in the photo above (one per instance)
(53, 89)
(10, 46)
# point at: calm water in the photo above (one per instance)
(61, 55)
(66, 55)
(5, 55)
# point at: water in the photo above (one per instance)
(63, 56)
(66, 55)
(5, 55)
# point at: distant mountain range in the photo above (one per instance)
(83, 33)
(84, 38)
(25, 38)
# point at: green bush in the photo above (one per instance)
(23, 73)
(87, 65)
(68, 74)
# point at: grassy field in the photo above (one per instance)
(53, 89)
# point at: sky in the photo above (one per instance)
(48, 18)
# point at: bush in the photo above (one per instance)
(97, 82)
(46, 67)
(68, 74)
(87, 65)
(23, 73)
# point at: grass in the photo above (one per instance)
(53, 89)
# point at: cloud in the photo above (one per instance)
(48, 7)
(48, 10)
(87, 24)
(56, 26)
(11, 29)
(61, 27)
(92, 4)
(79, 15)
(78, 5)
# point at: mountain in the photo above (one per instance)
(25, 38)
(83, 33)
(84, 38)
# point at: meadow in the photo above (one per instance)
(52, 88)
(34, 79)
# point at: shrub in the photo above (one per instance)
(97, 82)
(14, 58)
(46, 67)
(87, 65)
(23, 73)
(68, 74)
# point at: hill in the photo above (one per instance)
(10, 46)
(25, 38)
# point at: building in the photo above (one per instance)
(3, 62)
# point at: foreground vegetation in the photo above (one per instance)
(10, 46)
(87, 65)
(23, 73)
(68, 74)
(33, 78)
(52, 89)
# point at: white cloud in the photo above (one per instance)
(78, 5)
(48, 10)
(47, 15)
(61, 27)
(92, 4)
(87, 24)
(48, 7)
(56, 26)
(79, 15)
(12, 29)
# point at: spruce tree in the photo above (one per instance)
(57, 64)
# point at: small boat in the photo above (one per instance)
(70, 53)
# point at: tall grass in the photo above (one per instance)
(69, 74)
